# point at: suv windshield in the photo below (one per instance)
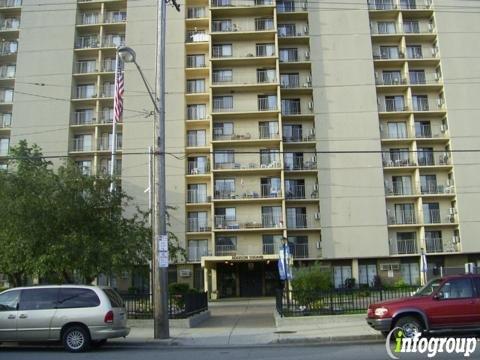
(430, 288)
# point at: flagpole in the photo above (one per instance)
(114, 122)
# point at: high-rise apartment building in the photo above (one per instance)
(345, 127)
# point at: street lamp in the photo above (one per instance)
(160, 238)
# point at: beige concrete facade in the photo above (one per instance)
(338, 127)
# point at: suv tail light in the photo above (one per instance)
(109, 317)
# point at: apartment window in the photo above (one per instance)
(85, 166)
(389, 52)
(269, 158)
(293, 161)
(196, 86)
(4, 146)
(420, 102)
(223, 130)
(268, 129)
(265, 50)
(428, 184)
(396, 130)
(86, 91)
(224, 157)
(297, 218)
(224, 75)
(271, 244)
(263, 24)
(383, 4)
(298, 246)
(410, 273)
(116, 16)
(196, 61)
(8, 47)
(197, 249)
(295, 188)
(425, 156)
(285, 30)
(198, 221)
(108, 89)
(226, 218)
(224, 188)
(386, 27)
(423, 129)
(7, 71)
(288, 55)
(292, 133)
(223, 50)
(433, 241)
(87, 41)
(196, 12)
(266, 75)
(285, 6)
(193, 36)
(82, 142)
(267, 102)
(414, 52)
(225, 245)
(394, 103)
(271, 216)
(291, 106)
(197, 193)
(408, 4)
(404, 214)
(367, 274)
(84, 116)
(223, 103)
(392, 77)
(107, 115)
(114, 40)
(402, 185)
(196, 111)
(106, 166)
(86, 66)
(222, 25)
(5, 120)
(290, 80)
(431, 213)
(270, 187)
(89, 18)
(10, 23)
(406, 243)
(341, 274)
(196, 138)
(6, 95)
(197, 165)
(417, 77)
(411, 26)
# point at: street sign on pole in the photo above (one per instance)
(162, 251)
(284, 269)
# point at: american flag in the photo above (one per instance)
(119, 89)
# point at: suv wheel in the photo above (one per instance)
(410, 325)
(76, 339)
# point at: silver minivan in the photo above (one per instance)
(78, 316)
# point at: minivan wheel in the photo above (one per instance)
(410, 325)
(76, 339)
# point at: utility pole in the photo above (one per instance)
(160, 271)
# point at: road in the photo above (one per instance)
(371, 351)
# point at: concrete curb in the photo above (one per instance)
(332, 340)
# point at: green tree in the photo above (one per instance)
(65, 224)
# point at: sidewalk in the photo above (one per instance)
(252, 322)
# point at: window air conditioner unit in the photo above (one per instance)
(455, 239)
(312, 132)
(318, 244)
(315, 187)
(307, 55)
(443, 128)
(305, 30)
(317, 216)
(310, 105)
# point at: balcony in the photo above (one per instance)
(265, 192)
(434, 245)
(415, 5)
(86, 67)
(382, 5)
(84, 118)
(225, 250)
(391, 81)
(264, 133)
(253, 79)
(390, 161)
(89, 18)
(430, 131)
(197, 37)
(263, 105)
(298, 135)
(198, 225)
(432, 188)
(196, 253)
(428, 159)
(82, 145)
(10, 3)
(197, 168)
(303, 221)
(115, 17)
(302, 164)
(301, 192)
(5, 121)
(197, 197)
(403, 247)
(113, 40)
(108, 65)
(249, 163)
(402, 218)
(391, 53)
(240, 3)
(259, 29)
(298, 251)
(437, 216)
(398, 188)
(266, 222)
(105, 144)
(295, 108)
(8, 48)
(392, 106)
(428, 105)
(293, 56)
(291, 7)
(10, 24)
(87, 42)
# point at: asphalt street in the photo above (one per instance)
(370, 351)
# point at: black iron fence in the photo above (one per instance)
(181, 306)
(335, 301)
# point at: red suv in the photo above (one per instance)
(446, 304)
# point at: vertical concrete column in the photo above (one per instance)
(205, 279)
(355, 272)
(214, 294)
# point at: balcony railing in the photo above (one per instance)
(80, 144)
(5, 121)
(392, 106)
(196, 168)
(425, 159)
(424, 78)
(10, 24)
(266, 191)
(8, 48)
(415, 5)
(261, 77)
(257, 26)
(427, 105)
(89, 19)
(398, 188)
(403, 247)
(402, 218)
(228, 106)
(197, 197)
(291, 6)
(301, 192)
(249, 163)
(291, 108)
(294, 56)
(113, 41)
(300, 164)
(398, 161)
(198, 225)
(298, 251)
(303, 221)
(432, 216)
(379, 54)
(241, 3)
(434, 245)
(196, 13)
(87, 42)
(266, 222)
(391, 80)
(436, 189)
(108, 65)
(382, 5)
(10, 3)
(195, 61)
(263, 133)
(84, 118)
(196, 253)
(225, 250)
(85, 67)
(115, 17)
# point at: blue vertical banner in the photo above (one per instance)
(284, 268)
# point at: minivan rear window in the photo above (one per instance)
(77, 298)
(115, 299)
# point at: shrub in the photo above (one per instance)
(178, 289)
(350, 283)
(309, 282)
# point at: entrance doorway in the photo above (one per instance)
(251, 278)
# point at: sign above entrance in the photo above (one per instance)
(248, 257)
